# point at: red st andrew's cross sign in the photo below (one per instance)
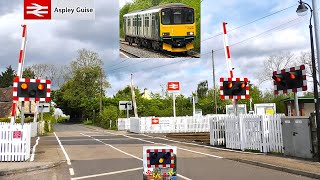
(37, 9)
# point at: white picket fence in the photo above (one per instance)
(123, 124)
(254, 132)
(14, 149)
(181, 124)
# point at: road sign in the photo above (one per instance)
(173, 86)
(155, 120)
(17, 134)
(45, 107)
(241, 109)
(37, 9)
(159, 162)
(125, 105)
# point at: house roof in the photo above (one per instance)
(6, 94)
(5, 109)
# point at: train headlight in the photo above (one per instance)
(190, 33)
(166, 34)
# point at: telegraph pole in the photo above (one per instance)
(100, 90)
(214, 83)
(133, 98)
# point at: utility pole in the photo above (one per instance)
(133, 98)
(316, 31)
(214, 83)
(100, 90)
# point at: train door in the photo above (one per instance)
(157, 23)
(153, 26)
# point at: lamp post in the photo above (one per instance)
(301, 11)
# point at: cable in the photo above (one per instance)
(250, 22)
(247, 39)
(118, 63)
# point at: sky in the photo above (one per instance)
(57, 41)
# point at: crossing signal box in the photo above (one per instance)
(234, 88)
(31, 89)
(290, 80)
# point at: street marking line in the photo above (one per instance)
(71, 171)
(124, 54)
(63, 150)
(113, 147)
(222, 149)
(183, 177)
(34, 149)
(106, 174)
(196, 152)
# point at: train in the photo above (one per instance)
(170, 27)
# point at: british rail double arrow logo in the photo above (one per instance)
(37, 9)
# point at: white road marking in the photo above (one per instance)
(106, 174)
(196, 152)
(183, 177)
(124, 54)
(71, 171)
(63, 150)
(210, 147)
(113, 147)
(34, 149)
(70, 140)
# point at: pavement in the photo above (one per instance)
(88, 152)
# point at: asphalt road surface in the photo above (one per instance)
(112, 155)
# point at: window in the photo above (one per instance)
(146, 22)
(177, 16)
(153, 21)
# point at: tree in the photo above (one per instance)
(6, 77)
(79, 96)
(28, 73)
(202, 89)
(276, 62)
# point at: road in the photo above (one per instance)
(104, 155)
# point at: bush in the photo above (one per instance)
(109, 113)
(26, 120)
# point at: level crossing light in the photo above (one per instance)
(301, 11)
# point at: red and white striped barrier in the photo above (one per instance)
(227, 49)
(22, 53)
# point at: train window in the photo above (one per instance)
(166, 14)
(146, 21)
(177, 17)
(189, 16)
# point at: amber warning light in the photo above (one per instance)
(40, 87)
(24, 86)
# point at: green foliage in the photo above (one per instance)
(26, 120)
(6, 77)
(145, 4)
(110, 113)
(28, 73)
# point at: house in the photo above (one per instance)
(145, 94)
(306, 106)
(5, 102)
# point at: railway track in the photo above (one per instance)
(127, 52)
(167, 54)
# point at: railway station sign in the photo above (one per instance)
(59, 9)
(173, 86)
